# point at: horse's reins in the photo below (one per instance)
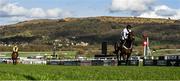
(125, 46)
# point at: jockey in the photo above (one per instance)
(15, 48)
(124, 37)
(124, 33)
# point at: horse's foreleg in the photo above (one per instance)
(13, 61)
(127, 59)
(120, 56)
(123, 57)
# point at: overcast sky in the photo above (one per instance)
(13, 11)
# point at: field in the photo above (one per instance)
(26, 54)
(53, 72)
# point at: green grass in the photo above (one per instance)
(53, 72)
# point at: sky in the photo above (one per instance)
(13, 11)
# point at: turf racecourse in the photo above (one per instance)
(54, 72)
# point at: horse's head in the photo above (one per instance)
(128, 43)
(14, 54)
(131, 36)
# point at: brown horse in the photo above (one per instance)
(14, 57)
(124, 49)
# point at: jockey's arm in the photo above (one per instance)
(17, 49)
(14, 48)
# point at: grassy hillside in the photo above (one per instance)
(94, 30)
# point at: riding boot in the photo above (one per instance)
(115, 52)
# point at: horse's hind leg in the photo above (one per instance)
(115, 48)
(116, 51)
(117, 56)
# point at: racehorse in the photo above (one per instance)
(124, 49)
(14, 57)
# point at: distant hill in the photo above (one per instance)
(93, 30)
